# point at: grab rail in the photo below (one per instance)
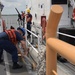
(38, 37)
(66, 35)
(64, 49)
(51, 31)
(54, 45)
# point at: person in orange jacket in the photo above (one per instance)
(8, 41)
(73, 17)
(43, 25)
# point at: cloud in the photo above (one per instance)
(10, 0)
(9, 6)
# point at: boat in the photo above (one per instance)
(37, 48)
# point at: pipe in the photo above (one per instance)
(51, 30)
(64, 49)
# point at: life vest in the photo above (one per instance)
(12, 36)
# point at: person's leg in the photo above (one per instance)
(23, 22)
(1, 50)
(1, 53)
(72, 20)
(11, 48)
(29, 28)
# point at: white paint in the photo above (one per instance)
(1, 26)
(6, 63)
(36, 8)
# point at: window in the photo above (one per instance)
(59, 1)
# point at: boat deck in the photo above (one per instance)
(6, 67)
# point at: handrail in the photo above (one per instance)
(51, 30)
(32, 33)
(31, 37)
(32, 46)
(66, 35)
(64, 49)
(37, 36)
(53, 45)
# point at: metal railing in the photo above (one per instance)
(66, 35)
(37, 36)
(64, 49)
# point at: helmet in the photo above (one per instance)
(22, 29)
(28, 10)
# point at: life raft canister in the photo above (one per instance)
(12, 36)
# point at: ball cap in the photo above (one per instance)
(22, 29)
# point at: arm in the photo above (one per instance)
(24, 38)
(19, 51)
(44, 36)
(23, 45)
(28, 19)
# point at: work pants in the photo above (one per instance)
(29, 28)
(9, 47)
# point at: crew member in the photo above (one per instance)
(73, 17)
(23, 17)
(43, 25)
(29, 22)
(8, 41)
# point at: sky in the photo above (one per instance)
(10, 5)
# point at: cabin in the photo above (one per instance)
(42, 8)
(37, 52)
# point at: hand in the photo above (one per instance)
(22, 55)
(26, 53)
(44, 36)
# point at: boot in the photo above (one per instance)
(1, 60)
(16, 66)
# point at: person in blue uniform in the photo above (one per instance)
(29, 22)
(8, 41)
